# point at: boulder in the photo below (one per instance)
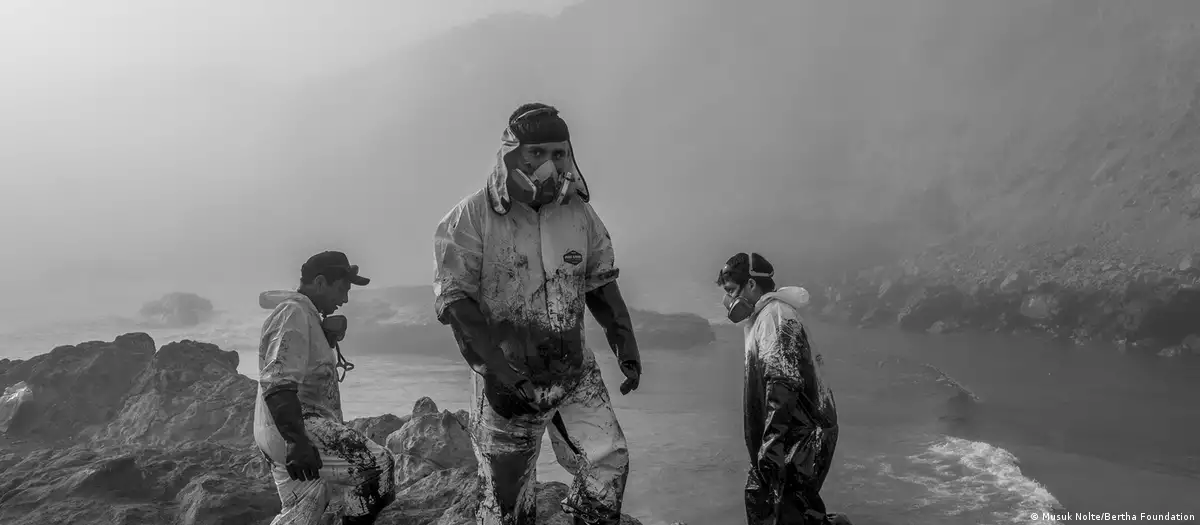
(430, 441)
(121, 434)
(77, 386)
(1192, 344)
(1039, 306)
(928, 305)
(190, 391)
(16, 401)
(177, 310)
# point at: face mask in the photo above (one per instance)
(334, 327)
(737, 309)
(542, 187)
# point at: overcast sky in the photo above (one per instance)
(128, 125)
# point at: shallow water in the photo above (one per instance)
(953, 429)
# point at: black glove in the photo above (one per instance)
(607, 305)
(508, 392)
(303, 461)
(633, 376)
(509, 397)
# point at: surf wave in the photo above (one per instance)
(979, 478)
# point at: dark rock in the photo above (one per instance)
(78, 386)
(928, 305)
(1039, 306)
(17, 402)
(133, 436)
(191, 391)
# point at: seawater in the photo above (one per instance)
(935, 430)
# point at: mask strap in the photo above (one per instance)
(758, 274)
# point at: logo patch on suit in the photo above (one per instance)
(573, 258)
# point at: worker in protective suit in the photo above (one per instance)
(515, 264)
(790, 416)
(298, 421)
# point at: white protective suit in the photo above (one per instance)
(293, 350)
(529, 272)
(790, 416)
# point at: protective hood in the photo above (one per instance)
(795, 296)
(497, 188)
(270, 299)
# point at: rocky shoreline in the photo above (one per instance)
(121, 433)
(1137, 305)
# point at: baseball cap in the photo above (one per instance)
(334, 266)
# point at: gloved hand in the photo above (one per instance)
(509, 393)
(633, 376)
(303, 461)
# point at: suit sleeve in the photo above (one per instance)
(604, 297)
(458, 259)
(287, 351)
(790, 433)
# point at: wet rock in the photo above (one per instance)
(941, 327)
(1147, 346)
(929, 305)
(1039, 306)
(15, 403)
(165, 438)
(1192, 344)
(1190, 264)
(177, 310)
(1171, 351)
(1016, 282)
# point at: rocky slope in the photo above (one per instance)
(118, 433)
(1137, 305)
(1081, 220)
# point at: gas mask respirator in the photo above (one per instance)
(544, 186)
(737, 309)
(334, 327)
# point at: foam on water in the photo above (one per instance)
(979, 478)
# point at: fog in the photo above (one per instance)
(185, 145)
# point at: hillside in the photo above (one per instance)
(969, 138)
(703, 127)
(1082, 221)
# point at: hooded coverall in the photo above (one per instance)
(532, 272)
(790, 416)
(294, 352)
